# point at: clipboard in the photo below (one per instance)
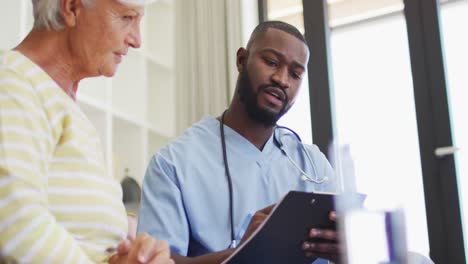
(279, 239)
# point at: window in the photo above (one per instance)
(374, 103)
(369, 44)
(375, 115)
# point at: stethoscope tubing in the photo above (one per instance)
(279, 144)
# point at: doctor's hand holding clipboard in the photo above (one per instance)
(328, 247)
(300, 228)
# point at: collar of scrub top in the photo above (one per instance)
(277, 141)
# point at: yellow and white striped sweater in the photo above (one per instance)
(57, 204)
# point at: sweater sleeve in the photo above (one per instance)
(29, 233)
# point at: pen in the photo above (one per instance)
(241, 230)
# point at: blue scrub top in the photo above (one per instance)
(185, 198)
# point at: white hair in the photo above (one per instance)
(47, 12)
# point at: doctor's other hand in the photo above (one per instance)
(143, 249)
(328, 245)
(256, 221)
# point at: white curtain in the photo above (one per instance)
(208, 34)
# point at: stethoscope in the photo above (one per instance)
(304, 176)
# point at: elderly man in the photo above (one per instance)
(199, 189)
(57, 204)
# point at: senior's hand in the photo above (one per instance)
(144, 249)
(256, 221)
(328, 246)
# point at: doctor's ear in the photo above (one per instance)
(70, 9)
(242, 55)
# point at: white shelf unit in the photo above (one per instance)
(133, 112)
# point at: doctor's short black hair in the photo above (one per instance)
(280, 25)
